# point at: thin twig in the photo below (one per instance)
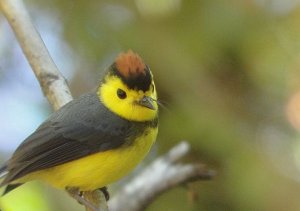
(75, 193)
(163, 174)
(97, 197)
(52, 82)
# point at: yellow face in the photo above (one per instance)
(131, 104)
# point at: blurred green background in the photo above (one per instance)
(227, 71)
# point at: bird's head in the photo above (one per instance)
(128, 89)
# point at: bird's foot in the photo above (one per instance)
(105, 192)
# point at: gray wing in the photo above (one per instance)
(80, 128)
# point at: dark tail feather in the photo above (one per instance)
(3, 170)
(10, 188)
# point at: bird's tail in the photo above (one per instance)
(3, 171)
(8, 188)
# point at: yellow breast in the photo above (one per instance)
(100, 169)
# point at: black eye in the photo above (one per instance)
(121, 94)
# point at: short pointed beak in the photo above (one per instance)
(147, 102)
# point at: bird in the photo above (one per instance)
(93, 140)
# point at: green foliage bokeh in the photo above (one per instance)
(225, 70)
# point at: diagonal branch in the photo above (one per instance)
(53, 84)
(164, 173)
(51, 80)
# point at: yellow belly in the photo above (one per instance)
(97, 170)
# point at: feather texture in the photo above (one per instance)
(80, 128)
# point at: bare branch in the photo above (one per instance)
(163, 174)
(98, 199)
(52, 82)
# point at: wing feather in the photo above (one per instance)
(82, 127)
